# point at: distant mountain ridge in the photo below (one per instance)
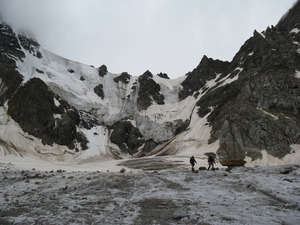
(245, 111)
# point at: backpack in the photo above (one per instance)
(211, 159)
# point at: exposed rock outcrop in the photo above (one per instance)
(163, 75)
(259, 110)
(10, 79)
(149, 91)
(205, 71)
(44, 115)
(32, 46)
(124, 77)
(127, 137)
(102, 71)
(99, 90)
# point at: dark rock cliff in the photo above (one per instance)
(102, 70)
(205, 71)
(124, 77)
(33, 107)
(9, 51)
(149, 90)
(32, 46)
(127, 137)
(261, 109)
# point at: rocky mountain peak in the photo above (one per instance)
(290, 20)
(31, 45)
(147, 74)
(10, 50)
(163, 75)
(251, 114)
(149, 91)
(207, 69)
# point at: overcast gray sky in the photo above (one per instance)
(168, 36)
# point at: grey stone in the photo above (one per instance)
(179, 214)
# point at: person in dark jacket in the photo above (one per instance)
(192, 162)
(211, 162)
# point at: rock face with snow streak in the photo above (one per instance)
(261, 109)
(239, 109)
(127, 137)
(208, 69)
(149, 91)
(10, 78)
(42, 114)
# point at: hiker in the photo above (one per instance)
(193, 161)
(211, 162)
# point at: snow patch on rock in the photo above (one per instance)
(267, 159)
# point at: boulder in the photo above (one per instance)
(233, 162)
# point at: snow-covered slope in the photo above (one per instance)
(75, 83)
(244, 111)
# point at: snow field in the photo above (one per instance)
(261, 195)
